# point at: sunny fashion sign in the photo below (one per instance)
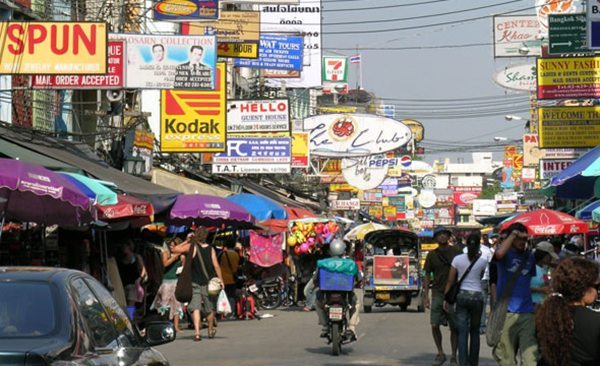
(60, 48)
(573, 77)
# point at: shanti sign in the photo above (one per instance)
(181, 10)
(195, 120)
(60, 48)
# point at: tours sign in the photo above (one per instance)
(277, 53)
(563, 127)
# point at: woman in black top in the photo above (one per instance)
(569, 332)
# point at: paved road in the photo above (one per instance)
(291, 337)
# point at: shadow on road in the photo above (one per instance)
(347, 350)
(427, 359)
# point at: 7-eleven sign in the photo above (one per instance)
(335, 69)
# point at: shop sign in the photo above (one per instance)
(258, 116)
(332, 179)
(181, 10)
(254, 155)
(568, 78)
(397, 201)
(563, 127)
(444, 197)
(544, 8)
(169, 62)
(300, 151)
(404, 181)
(53, 48)
(354, 134)
(374, 195)
(237, 50)
(194, 121)
(335, 69)
(389, 213)
(519, 77)
(593, 25)
(427, 198)
(342, 188)
(375, 211)
(112, 80)
(346, 205)
(389, 187)
(532, 153)
(551, 168)
(484, 207)
(276, 53)
(335, 88)
(528, 175)
(464, 196)
(358, 174)
(332, 167)
(513, 32)
(444, 216)
(428, 182)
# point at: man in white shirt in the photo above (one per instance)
(488, 254)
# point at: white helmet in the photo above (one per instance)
(337, 247)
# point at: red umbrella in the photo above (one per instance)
(295, 213)
(275, 225)
(126, 207)
(548, 222)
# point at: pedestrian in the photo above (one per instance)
(133, 274)
(437, 264)
(540, 284)
(469, 268)
(569, 332)
(487, 254)
(165, 300)
(229, 261)
(516, 264)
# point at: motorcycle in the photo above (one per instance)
(337, 309)
(267, 292)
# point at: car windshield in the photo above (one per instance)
(26, 309)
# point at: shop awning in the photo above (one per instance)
(17, 152)
(186, 185)
(256, 188)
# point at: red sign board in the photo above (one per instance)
(112, 80)
(390, 270)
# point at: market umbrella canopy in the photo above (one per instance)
(586, 212)
(126, 207)
(578, 180)
(260, 207)
(296, 213)
(94, 188)
(596, 215)
(31, 193)
(359, 232)
(547, 222)
(209, 211)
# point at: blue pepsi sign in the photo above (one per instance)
(277, 53)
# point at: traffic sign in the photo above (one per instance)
(567, 33)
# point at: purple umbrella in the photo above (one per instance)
(31, 193)
(209, 211)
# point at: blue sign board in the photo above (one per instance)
(277, 53)
(263, 150)
(174, 10)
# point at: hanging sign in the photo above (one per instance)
(182, 10)
(564, 127)
(335, 69)
(358, 174)
(276, 52)
(256, 116)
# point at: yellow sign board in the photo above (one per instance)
(195, 120)
(237, 50)
(54, 48)
(341, 187)
(389, 213)
(561, 127)
(568, 78)
(339, 109)
(232, 26)
(300, 150)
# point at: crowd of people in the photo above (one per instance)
(539, 292)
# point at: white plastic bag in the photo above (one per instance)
(223, 306)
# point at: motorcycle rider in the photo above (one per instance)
(337, 250)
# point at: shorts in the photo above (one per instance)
(201, 300)
(439, 316)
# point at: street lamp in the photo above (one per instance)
(500, 138)
(510, 117)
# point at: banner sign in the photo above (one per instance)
(513, 34)
(256, 116)
(276, 52)
(389, 187)
(374, 195)
(569, 127)
(568, 78)
(300, 151)
(335, 69)
(169, 62)
(519, 77)
(358, 174)
(551, 168)
(303, 19)
(464, 196)
(59, 48)
(181, 10)
(532, 153)
(194, 121)
(346, 205)
(254, 155)
(112, 80)
(336, 135)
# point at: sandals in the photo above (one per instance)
(197, 338)
(211, 333)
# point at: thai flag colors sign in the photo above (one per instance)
(60, 48)
(194, 120)
(181, 10)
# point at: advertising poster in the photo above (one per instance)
(254, 155)
(256, 116)
(516, 34)
(276, 52)
(169, 62)
(389, 187)
(551, 168)
(59, 48)
(303, 19)
(532, 153)
(568, 78)
(390, 270)
(194, 121)
(300, 151)
(183, 10)
(518, 77)
(563, 127)
(112, 80)
(389, 213)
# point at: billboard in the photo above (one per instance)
(358, 173)
(303, 19)
(60, 48)
(568, 78)
(169, 62)
(551, 168)
(194, 121)
(112, 80)
(256, 116)
(518, 77)
(182, 10)
(577, 127)
(338, 135)
(532, 153)
(276, 53)
(247, 154)
(300, 151)
(517, 36)
(232, 26)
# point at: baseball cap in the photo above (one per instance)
(441, 229)
(545, 246)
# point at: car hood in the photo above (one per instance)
(18, 351)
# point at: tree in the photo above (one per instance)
(490, 191)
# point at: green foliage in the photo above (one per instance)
(490, 191)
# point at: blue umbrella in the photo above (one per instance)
(586, 212)
(260, 207)
(578, 179)
(93, 188)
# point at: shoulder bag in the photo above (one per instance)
(493, 330)
(450, 296)
(183, 289)
(214, 284)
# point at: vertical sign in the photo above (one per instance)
(300, 150)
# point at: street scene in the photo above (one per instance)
(299, 182)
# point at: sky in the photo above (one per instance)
(448, 80)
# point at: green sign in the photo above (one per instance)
(567, 33)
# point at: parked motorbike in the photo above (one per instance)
(337, 309)
(267, 292)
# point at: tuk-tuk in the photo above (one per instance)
(392, 269)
